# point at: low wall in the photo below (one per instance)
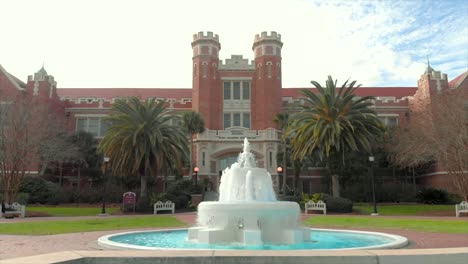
(413, 256)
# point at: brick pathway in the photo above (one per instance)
(12, 246)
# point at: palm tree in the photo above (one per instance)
(141, 140)
(332, 122)
(282, 121)
(193, 123)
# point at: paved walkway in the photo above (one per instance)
(12, 246)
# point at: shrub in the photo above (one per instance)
(432, 196)
(338, 204)
(22, 198)
(37, 188)
(143, 205)
(304, 199)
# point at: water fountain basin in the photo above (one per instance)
(249, 223)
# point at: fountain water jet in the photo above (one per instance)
(247, 211)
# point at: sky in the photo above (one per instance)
(146, 43)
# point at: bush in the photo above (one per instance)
(432, 196)
(37, 188)
(387, 193)
(22, 198)
(338, 204)
(143, 205)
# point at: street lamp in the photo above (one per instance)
(280, 178)
(371, 160)
(103, 210)
(195, 175)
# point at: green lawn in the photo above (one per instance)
(71, 210)
(97, 224)
(423, 225)
(402, 209)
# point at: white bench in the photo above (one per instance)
(160, 206)
(14, 208)
(318, 206)
(461, 208)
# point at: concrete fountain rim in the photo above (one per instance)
(397, 243)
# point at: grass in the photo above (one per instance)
(403, 209)
(97, 224)
(70, 210)
(423, 225)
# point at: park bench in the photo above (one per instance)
(160, 206)
(318, 206)
(461, 208)
(13, 209)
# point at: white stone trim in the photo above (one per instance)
(91, 115)
(236, 78)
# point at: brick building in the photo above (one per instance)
(237, 98)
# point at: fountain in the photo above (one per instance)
(248, 217)
(247, 211)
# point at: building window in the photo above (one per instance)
(227, 120)
(245, 90)
(236, 120)
(205, 69)
(236, 90)
(227, 90)
(203, 159)
(246, 120)
(96, 126)
(389, 121)
(269, 66)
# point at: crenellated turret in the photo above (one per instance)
(267, 84)
(42, 84)
(205, 79)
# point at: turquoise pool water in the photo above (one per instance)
(320, 239)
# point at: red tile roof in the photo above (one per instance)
(455, 82)
(397, 92)
(109, 93)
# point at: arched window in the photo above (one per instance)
(269, 66)
(195, 71)
(215, 68)
(205, 69)
(278, 70)
(259, 70)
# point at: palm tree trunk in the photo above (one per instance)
(335, 185)
(143, 183)
(144, 179)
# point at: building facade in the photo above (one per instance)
(236, 97)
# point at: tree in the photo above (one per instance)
(282, 121)
(333, 122)
(438, 132)
(193, 123)
(57, 151)
(141, 140)
(25, 124)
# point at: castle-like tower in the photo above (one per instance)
(42, 85)
(206, 84)
(266, 85)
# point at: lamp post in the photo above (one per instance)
(371, 160)
(103, 210)
(280, 178)
(195, 175)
